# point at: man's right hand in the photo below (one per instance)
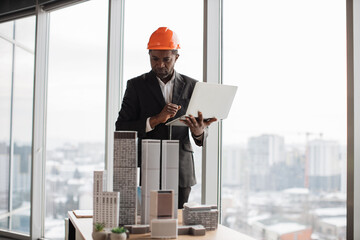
(167, 112)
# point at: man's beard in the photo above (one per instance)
(162, 73)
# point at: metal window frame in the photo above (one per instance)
(353, 118)
(11, 142)
(114, 78)
(14, 235)
(39, 125)
(212, 72)
(10, 233)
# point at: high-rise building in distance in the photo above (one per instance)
(324, 165)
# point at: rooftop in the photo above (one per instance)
(283, 228)
(335, 221)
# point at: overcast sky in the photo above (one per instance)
(288, 58)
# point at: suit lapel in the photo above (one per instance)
(154, 87)
(179, 85)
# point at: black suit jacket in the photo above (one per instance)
(143, 98)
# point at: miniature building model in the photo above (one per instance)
(160, 170)
(125, 174)
(164, 228)
(161, 204)
(170, 169)
(195, 230)
(105, 204)
(201, 215)
(150, 175)
(138, 229)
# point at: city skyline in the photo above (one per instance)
(234, 178)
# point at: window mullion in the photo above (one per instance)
(114, 77)
(212, 74)
(11, 145)
(353, 119)
(39, 126)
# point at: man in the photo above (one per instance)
(158, 96)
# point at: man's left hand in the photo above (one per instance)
(197, 125)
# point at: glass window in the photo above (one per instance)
(140, 23)
(284, 143)
(6, 57)
(75, 109)
(7, 29)
(17, 83)
(24, 32)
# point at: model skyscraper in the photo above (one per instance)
(161, 204)
(170, 169)
(160, 170)
(150, 175)
(125, 174)
(105, 204)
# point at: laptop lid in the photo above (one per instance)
(213, 100)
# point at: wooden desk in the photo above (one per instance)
(81, 228)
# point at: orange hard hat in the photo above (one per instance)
(163, 39)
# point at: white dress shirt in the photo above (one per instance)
(167, 91)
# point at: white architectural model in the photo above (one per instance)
(105, 204)
(160, 170)
(161, 204)
(164, 228)
(150, 175)
(206, 215)
(170, 169)
(125, 174)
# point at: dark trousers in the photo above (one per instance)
(184, 193)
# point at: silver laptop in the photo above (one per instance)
(213, 100)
